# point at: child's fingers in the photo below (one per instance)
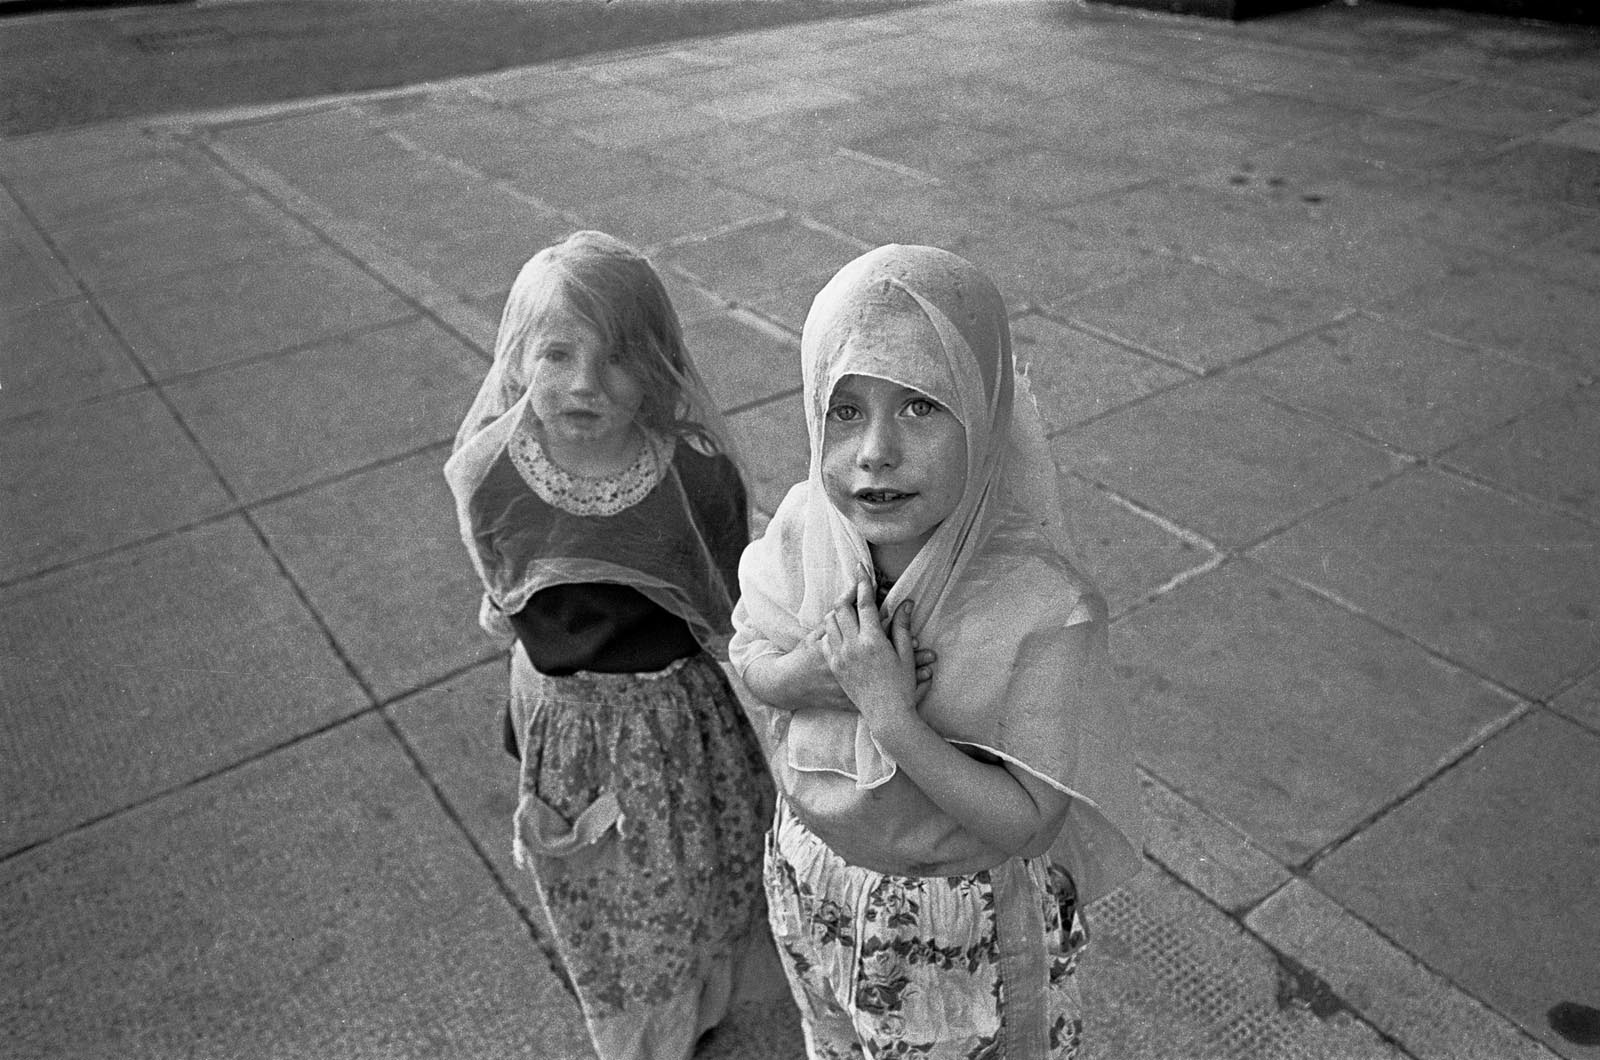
(900, 631)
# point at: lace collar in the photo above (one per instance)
(582, 494)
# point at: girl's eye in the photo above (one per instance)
(922, 407)
(843, 413)
(554, 353)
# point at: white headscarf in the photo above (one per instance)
(994, 588)
(678, 546)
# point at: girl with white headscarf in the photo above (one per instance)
(604, 515)
(937, 825)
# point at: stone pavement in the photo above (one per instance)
(1312, 306)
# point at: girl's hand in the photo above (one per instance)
(877, 671)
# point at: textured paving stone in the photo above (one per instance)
(1286, 716)
(1547, 453)
(170, 240)
(1129, 556)
(57, 355)
(1195, 316)
(1529, 313)
(1493, 584)
(776, 267)
(200, 656)
(1397, 386)
(380, 558)
(1220, 462)
(278, 424)
(741, 358)
(85, 478)
(1076, 376)
(249, 912)
(939, 217)
(1422, 1011)
(247, 309)
(1504, 842)
(1168, 977)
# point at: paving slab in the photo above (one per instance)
(1077, 376)
(248, 309)
(1220, 462)
(92, 476)
(275, 425)
(1573, 253)
(1502, 588)
(1432, 394)
(379, 556)
(221, 922)
(1581, 702)
(1546, 453)
(1421, 1010)
(1517, 821)
(1169, 977)
(775, 267)
(1195, 316)
(1131, 556)
(742, 358)
(144, 671)
(1210, 855)
(1286, 716)
(1540, 169)
(59, 354)
(1531, 314)
(171, 179)
(169, 240)
(776, 430)
(670, 208)
(31, 274)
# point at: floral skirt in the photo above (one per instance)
(642, 800)
(979, 967)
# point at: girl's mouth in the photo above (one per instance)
(881, 497)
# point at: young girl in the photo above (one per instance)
(932, 839)
(597, 498)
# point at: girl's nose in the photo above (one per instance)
(880, 446)
(586, 376)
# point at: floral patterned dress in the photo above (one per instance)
(979, 967)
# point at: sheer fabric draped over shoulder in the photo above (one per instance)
(1021, 635)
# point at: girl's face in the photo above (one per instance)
(583, 392)
(894, 463)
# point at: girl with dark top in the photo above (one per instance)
(604, 514)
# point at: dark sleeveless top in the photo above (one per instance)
(606, 628)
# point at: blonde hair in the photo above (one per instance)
(615, 289)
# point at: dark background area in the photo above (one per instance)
(64, 65)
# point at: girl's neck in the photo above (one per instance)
(889, 562)
(596, 459)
